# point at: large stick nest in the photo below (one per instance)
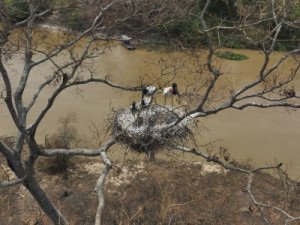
(151, 128)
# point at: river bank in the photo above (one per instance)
(148, 39)
(140, 192)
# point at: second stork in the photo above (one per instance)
(170, 92)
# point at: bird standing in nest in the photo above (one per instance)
(170, 92)
(133, 107)
(137, 108)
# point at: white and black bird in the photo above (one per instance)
(170, 92)
(149, 91)
(144, 104)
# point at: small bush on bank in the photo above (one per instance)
(231, 55)
(64, 137)
(72, 17)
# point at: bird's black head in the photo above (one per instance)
(175, 90)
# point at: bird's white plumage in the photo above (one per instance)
(150, 91)
(170, 92)
(167, 92)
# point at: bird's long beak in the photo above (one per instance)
(176, 89)
(178, 93)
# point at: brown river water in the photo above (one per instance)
(264, 135)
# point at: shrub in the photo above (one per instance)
(72, 16)
(19, 10)
(64, 137)
(231, 55)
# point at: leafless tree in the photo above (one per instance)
(266, 91)
(64, 75)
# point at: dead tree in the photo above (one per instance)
(62, 76)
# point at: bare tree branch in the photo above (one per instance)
(210, 159)
(260, 105)
(73, 152)
(8, 98)
(11, 183)
(100, 183)
(5, 150)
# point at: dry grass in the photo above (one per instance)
(175, 193)
(150, 193)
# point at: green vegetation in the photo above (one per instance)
(188, 29)
(183, 24)
(72, 17)
(230, 13)
(231, 55)
(19, 10)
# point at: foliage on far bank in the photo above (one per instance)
(178, 20)
(188, 29)
(19, 10)
(232, 13)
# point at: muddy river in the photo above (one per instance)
(263, 135)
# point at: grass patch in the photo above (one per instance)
(231, 55)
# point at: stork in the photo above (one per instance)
(170, 92)
(149, 91)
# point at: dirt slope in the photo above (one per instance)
(138, 192)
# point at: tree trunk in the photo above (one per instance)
(44, 202)
(36, 191)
